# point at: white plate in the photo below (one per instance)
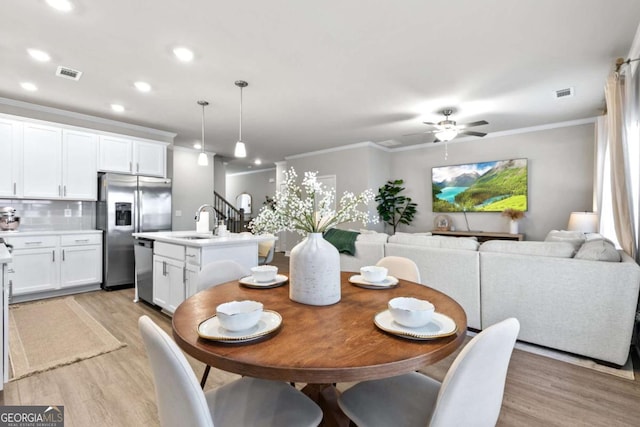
(250, 282)
(211, 329)
(388, 282)
(440, 326)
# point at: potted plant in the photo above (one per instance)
(393, 207)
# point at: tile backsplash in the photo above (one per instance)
(47, 215)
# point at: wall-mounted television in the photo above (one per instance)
(480, 187)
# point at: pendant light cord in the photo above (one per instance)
(240, 132)
(203, 127)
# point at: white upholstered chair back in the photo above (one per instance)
(401, 268)
(218, 272)
(179, 397)
(472, 391)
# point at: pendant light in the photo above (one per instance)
(241, 149)
(203, 160)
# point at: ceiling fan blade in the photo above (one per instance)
(472, 124)
(430, 123)
(472, 133)
(413, 134)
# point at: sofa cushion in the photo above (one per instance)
(426, 240)
(599, 250)
(576, 238)
(372, 237)
(548, 249)
(465, 243)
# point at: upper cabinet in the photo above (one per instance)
(79, 165)
(42, 162)
(132, 156)
(11, 149)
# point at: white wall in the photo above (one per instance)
(192, 187)
(258, 184)
(560, 177)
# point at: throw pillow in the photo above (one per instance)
(599, 250)
(576, 238)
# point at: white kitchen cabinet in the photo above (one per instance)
(191, 279)
(115, 154)
(11, 149)
(49, 264)
(81, 260)
(79, 165)
(168, 282)
(150, 158)
(42, 161)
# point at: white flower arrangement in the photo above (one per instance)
(309, 208)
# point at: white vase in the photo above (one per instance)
(513, 226)
(314, 272)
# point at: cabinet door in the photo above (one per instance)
(191, 279)
(34, 270)
(168, 282)
(115, 155)
(150, 158)
(79, 165)
(80, 265)
(11, 149)
(42, 162)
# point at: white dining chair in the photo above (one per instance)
(244, 402)
(401, 268)
(218, 272)
(470, 394)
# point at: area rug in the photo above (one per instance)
(625, 372)
(48, 334)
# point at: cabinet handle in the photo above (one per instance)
(32, 243)
(82, 240)
(184, 275)
(63, 255)
(191, 255)
(130, 167)
(53, 253)
(164, 268)
(59, 190)
(137, 167)
(14, 189)
(65, 190)
(10, 290)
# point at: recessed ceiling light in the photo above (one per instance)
(197, 146)
(117, 108)
(61, 5)
(183, 54)
(258, 162)
(29, 86)
(39, 55)
(143, 86)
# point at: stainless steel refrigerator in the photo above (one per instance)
(128, 204)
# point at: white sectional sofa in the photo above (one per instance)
(582, 303)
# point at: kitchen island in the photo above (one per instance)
(178, 257)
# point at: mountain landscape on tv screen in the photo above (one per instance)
(480, 187)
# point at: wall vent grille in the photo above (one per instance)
(68, 73)
(563, 93)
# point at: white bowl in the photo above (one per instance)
(264, 273)
(239, 315)
(373, 273)
(411, 312)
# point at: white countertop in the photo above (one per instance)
(204, 239)
(18, 233)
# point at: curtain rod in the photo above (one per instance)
(621, 61)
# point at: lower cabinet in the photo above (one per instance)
(168, 282)
(44, 265)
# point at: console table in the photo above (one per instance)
(482, 236)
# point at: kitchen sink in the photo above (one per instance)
(196, 237)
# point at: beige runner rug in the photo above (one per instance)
(44, 335)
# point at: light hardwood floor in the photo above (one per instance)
(117, 389)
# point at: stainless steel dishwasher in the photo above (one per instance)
(143, 253)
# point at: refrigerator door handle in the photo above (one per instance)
(137, 202)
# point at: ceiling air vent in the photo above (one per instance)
(68, 73)
(563, 93)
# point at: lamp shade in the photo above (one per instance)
(203, 160)
(587, 222)
(241, 150)
(447, 134)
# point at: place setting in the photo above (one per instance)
(264, 277)
(374, 277)
(414, 319)
(239, 322)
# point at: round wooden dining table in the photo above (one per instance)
(318, 345)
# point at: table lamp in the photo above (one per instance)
(587, 222)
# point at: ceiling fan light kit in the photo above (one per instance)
(241, 150)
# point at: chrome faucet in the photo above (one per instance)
(213, 211)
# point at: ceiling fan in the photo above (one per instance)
(446, 129)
